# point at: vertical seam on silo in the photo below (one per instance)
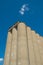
(17, 50)
(27, 47)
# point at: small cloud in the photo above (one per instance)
(23, 6)
(23, 9)
(21, 12)
(1, 59)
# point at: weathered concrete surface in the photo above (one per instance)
(36, 49)
(30, 47)
(8, 49)
(13, 54)
(24, 46)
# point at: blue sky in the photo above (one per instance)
(9, 14)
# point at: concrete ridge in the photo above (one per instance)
(16, 24)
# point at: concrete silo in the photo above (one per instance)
(24, 46)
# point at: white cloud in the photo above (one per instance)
(24, 5)
(1, 59)
(23, 9)
(21, 12)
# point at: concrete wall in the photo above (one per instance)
(13, 53)
(36, 49)
(24, 47)
(30, 47)
(8, 49)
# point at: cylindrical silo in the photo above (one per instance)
(36, 49)
(40, 44)
(8, 49)
(13, 54)
(30, 47)
(24, 46)
(22, 56)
